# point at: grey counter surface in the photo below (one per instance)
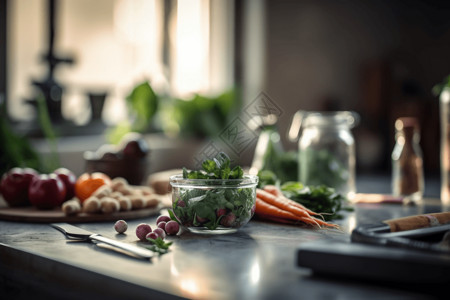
(257, 262)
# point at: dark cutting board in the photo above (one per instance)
(373, 262)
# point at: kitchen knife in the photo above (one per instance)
(73, 232)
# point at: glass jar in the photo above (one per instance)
(407, 162)
(327, 150)
(213, 206)
(444, 107)
(269, 147)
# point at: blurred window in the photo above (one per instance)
(181, 47)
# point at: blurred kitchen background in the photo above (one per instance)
(198, 63)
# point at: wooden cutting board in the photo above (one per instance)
(32, 214)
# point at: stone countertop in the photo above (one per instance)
(257, 262)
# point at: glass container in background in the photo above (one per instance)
(327, 150)
(444, 107)
(268, 147)
(407, 161)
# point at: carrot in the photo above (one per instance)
(278, 193)
(273, 213)
(320, 222)
(273, 190)
(277, 220)
(281, 203)
(272, 208)
(266, 209)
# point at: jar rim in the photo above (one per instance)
(247, 181)
(335, 118)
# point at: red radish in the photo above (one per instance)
(142, 230)
(172, 227)
(151, 236)
(228, 220)
(162, 219)
(121, 226)
(162, 225)
(221, 212)
(201, 220)
(161, 233)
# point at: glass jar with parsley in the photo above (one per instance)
(327, 150)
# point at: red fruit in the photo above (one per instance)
(172, 227)
(160, 232)
(47, 191)
(221, 212)
(15, 184)
(142, 230)
(135, 149)
(201, 220)
(151, 236)
(228, 220)
(162, 218)
(161, 225)
(69, 179)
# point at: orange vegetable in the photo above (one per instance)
(88, 183)
(284, 210)
(278, 193)
(265, 209)
(270, 212)
(281, 203)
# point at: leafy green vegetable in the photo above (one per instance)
(216, 206)
(320, 167)
(267, 177)
(159, 246)
(216, 168)
(320, 198)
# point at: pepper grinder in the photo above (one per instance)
(407, 161)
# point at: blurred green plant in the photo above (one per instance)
(203, 116)
(437, 89)
(52, 162)
(16, 150)
(284, 164)
(142, 104)
(199, 116)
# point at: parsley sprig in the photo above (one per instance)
(216, 168)
(159, 246)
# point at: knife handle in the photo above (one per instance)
(141, 252)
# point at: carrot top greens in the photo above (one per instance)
(320, 198)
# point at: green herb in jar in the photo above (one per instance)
(213, 205)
